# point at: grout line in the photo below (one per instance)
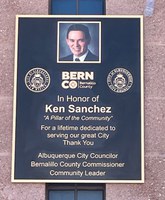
(155, 98)
(2, 154)
(5, 97)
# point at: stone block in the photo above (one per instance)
(154, 126)
(6, 124)
(155, 25)
(154, 71)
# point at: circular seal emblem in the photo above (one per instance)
(37, 80)
(120, 80)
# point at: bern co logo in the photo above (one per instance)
(119, 80)
(37, 80)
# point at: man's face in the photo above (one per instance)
(77, 43)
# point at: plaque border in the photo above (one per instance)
(15, 100)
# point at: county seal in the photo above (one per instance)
(119, 80)
(37, 80)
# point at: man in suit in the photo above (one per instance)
(78, 39)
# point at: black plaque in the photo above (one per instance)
(78, 121)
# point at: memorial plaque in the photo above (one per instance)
(78, 99)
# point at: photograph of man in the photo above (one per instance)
(78, 39)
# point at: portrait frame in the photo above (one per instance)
(94, 46)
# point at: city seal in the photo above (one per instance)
(119, 80)
(37, 80)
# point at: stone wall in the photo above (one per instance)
(154, 62)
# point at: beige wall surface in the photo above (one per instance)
(154, 71)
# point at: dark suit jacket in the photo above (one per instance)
(90, 57)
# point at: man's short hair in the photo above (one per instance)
(80, 27)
